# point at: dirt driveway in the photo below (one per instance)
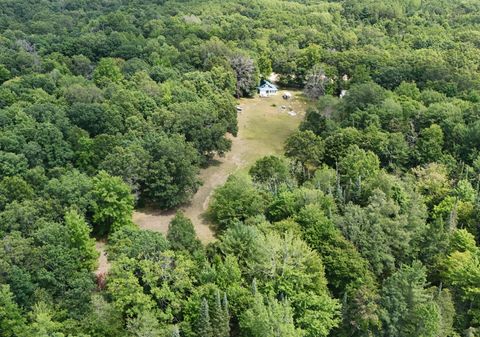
(263, 126)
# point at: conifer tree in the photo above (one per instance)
(219, 318)
(226, 313)
(182, 235)
(204, 327)
(175, 332)
(254, 287)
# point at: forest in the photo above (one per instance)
(368, 226)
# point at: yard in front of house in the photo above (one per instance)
(263, 126)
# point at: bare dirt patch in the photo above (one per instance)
(103, 265)
(263, 126)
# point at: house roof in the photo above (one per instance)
(264, 84)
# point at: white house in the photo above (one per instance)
(267, 89)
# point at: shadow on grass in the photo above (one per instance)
(151, 210)
(206, 220)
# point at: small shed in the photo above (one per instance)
(266, 89)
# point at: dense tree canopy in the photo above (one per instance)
(368, 227)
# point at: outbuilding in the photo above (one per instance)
(267, 89)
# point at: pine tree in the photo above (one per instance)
(144, 325)
(182, 235)
(175, 332)
(226, 313)
(219, 318)
(204, 326)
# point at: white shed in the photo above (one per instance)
(267, 89)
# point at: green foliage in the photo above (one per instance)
(382, 232)
(136, 244)
(300, 279)
(270, 171)
(102, 319)
(106, 72)
(181, 234)
(204, 326)
(12, 323)
(144, 325)
(407, 307)
(113, 204)
(126, 291)
(343, 265)
(127, 163)
(306, 149)
(462, 271)
(79, 233)
(362, 96)
(43, 324)
(387, 174)
(272, 319)
(236, 201)
(171, 172)
(358, 164)
(430, 144)
(220, 318)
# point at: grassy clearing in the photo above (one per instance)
(263, 126)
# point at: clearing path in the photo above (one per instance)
(103, 264)
(263, 126)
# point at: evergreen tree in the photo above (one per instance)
(226, 313)
(274, 319)
(219, 318)
(144, 325)
(181, 234)
(204, 327)
(175, 332)
(254, 287)
(408, 309)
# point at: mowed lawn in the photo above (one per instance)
(263, 127)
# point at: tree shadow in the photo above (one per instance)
(151, 210)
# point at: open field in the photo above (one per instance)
(263, 127)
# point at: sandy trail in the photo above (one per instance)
(103, 265)
(212, 177)
(263, 126)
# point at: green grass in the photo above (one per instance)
(262, 131)
(264, 126)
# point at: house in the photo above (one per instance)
(267, 89)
